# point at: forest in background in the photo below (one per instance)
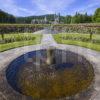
(68, 19)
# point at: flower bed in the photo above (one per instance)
(79, 28)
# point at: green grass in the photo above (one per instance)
(79, 40)
(7, 46)
(16, 37)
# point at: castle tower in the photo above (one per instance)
(56, 18)
(45, 20)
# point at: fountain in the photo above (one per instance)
(60, 74)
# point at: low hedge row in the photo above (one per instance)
(83, 39)
(78, 28)
(9, 38)
(20, 28)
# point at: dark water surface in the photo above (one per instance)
(61, 60)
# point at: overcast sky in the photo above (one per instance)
(41, 7)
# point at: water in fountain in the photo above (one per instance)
(51, 74)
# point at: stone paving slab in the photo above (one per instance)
(7, 93)
(48, 40)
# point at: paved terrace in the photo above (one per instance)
(6, 91)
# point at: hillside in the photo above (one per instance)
(6, 18)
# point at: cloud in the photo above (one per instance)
(65, 6)
(8, 5)
(90, 7)
(51, 6)
(40, 7)
(13, 8)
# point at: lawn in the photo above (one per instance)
(79, 40)
(11, 41)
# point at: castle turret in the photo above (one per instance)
(45, 20)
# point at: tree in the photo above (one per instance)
(96, 16)
(2, 36)
(6, 18)
(81, 18)
(68, 19)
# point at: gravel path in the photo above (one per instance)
(48, 40)
(7, 93)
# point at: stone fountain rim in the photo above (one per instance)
(93, 59)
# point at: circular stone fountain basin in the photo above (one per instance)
(50, 74)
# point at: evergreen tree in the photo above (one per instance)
(68, 19)
(96, 17)
(6, 18)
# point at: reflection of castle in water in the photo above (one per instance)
(41, 65)
(47, 62)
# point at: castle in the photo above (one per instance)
(56, 20)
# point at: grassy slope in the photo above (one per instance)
(90, 45)
(7, 46)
